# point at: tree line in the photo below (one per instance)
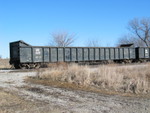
(138, 34)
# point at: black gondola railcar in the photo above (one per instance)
(23, 55)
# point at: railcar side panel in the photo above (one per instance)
(26, 55)
(97, 54)
(112, 54)
(126, 53)
(116, 53)
(86, 54)
(146, 51)
(141, 52)
(80, 54)
(132, 53)
(91, 52)
(102, 54)
(46, 54)
(60, 54)
(53, 54)
(74, 54)
(120, 53)
(107, 54)
(67, 54)
(37, 55)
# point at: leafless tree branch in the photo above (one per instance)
(93, 43)
(140, 28)
(62, 39)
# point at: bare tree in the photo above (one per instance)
(128, 39)
(62, 39)
(140, 29)
(93, 43)
(139, 33)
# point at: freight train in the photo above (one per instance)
(23, 55)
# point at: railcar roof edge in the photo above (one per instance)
(21, 41)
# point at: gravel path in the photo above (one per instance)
(70, 101)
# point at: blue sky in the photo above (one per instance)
(34, 20)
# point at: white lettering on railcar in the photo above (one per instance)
(37, 51)
(146, 51)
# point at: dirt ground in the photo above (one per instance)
(18, 96)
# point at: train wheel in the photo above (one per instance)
(37, 66)
(16, 65)
(22, 66)
(28, 66)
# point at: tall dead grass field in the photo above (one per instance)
(126, 79)
(4, 64)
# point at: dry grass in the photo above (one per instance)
(4, 64)
(11, 102)
(133, 79)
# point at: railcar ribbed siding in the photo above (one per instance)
(26, 53)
